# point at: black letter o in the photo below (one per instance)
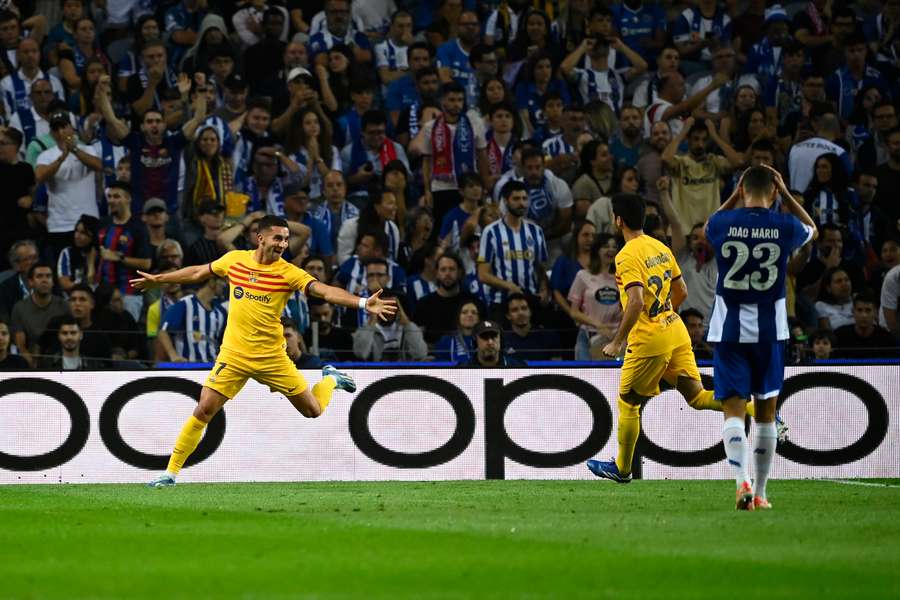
(876, 429)
(78, 414)
(112, 437)
(362, 437)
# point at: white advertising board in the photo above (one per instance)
(425, 424)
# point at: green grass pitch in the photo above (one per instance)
(481, 539)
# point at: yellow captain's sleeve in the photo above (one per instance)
(297, 278)
(220, 266)
(628, 272)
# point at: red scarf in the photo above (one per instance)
(387, 152)
(442, 151)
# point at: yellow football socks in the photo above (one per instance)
(629, 430)
(185, 444)
(705, 400)
(324, 390)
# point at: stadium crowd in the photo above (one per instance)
(460, 154)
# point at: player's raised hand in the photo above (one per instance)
(381, 308)
(146, 281)
(779, 180)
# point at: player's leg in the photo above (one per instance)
(684, 375)
(224, 381)
(767, 378)
(639, 382)
(211, 402)
(282, 376)
(732, 383)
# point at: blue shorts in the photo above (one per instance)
(743, 370)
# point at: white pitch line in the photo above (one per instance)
(862, 483)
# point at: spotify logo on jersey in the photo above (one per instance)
(238, 293)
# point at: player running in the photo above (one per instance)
(659, 346)
(253, 345)
(749, 323)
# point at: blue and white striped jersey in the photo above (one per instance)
(514, 255)
(752, 247)
(557, 146)
(195, 331)
(351, 276)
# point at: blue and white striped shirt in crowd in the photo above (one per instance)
(514, 255)
(557, 146)
(352, 276)
(333, 222)
(390, 56)
(195, 331)
(419, 288)
(297, 309)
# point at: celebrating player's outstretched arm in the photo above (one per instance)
(373, 305)
(188, 275)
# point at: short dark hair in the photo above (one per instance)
(455, 258)
(420, 46)
(823, 334)
(866, 296)
(120, 185)
(758, 181)
(529, 153)
(269, 221)
(14, 135)
(631, 208)
(67, 320)
(426, 71)
(289, 323)
(469, 178)
(377, 261)
(377, 235)
(512, 186)
(262, 102)
(373, 117)
(40, 265)
(551, 96)
(574, 107)
(82, 287)
(516, 296)
(699, 125)
(762, 145)
(691, 312)
(452, 87)
(477, 53)
(502, 105)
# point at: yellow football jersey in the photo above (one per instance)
(257, 297)
(647, 262)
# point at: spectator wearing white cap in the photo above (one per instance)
(764, 59)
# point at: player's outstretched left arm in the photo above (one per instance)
(374, 305)
(194, 274)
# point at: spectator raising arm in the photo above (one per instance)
(115, 128)
(687, 106)
(668, 155)
(735, 158)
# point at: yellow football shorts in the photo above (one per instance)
(642, 375)
(231, 371)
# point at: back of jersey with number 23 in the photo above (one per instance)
(752, 247)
